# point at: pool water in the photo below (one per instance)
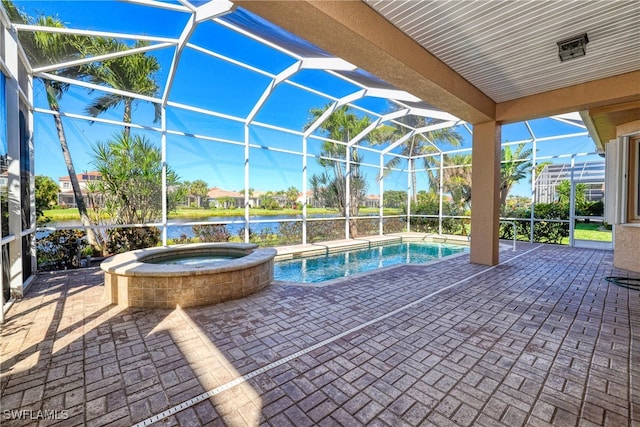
(342, 264)
(193, 259)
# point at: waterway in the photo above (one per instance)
(234, 224)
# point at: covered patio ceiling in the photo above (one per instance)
(485, 61)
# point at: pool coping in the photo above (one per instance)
(324, 248)
(136, 263)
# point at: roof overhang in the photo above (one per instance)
(607, 92)
(603, 122)
(357, 33)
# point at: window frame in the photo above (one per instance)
(633, 180)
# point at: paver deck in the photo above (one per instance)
(541, 339)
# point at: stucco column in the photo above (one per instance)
(485, 193)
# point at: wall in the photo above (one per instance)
(626, 245)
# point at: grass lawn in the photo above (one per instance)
(62, 214)
(72, 214)
(590, 231)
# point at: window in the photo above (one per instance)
(622, 184)
(633, 183)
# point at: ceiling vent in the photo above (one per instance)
(573, 47)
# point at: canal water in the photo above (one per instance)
(234, 224)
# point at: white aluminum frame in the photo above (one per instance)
(212, 12)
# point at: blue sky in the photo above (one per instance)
(211, 83)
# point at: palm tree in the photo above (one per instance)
(292, 195)
(132, 73)
(316, 182)
(456, 173)
(198, 189)
(131, 189)
(563, 196)
(331, 184)
(53, 48)
(131, 181)
(514, 167)
(457, 179)
(422, 144)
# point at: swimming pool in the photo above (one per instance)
(342, 264)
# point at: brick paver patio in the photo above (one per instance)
(542, 339)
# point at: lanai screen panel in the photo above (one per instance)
(237, 95)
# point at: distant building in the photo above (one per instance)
(311, 201)
(230, 199)
(226, 199)
(591, 174)
(66, 197)
(371, 201)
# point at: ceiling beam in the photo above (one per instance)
(614, 90)
(353, 31)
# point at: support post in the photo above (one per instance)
(163, 147)
(246, 183)
(347, 196)
(532, 218)
(440, 192)
(572, 203)
(381, 192)
(485, 193)
(304, 190)
(409, 189)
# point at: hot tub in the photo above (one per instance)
(151, 277)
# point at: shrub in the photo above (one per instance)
(290, 232)
(367, 226)
(271, 204)
(211, 233)
(205, 234)
(430, 206)
(594, 209)
(180, 240)
(325, 230)
(544, 231)
(60, 250)
(266, 236)
(129, 239)
(394, 225)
